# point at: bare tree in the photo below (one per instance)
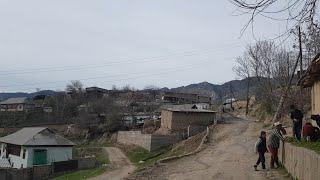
(273, 67)
(128, 88)
(243, 70)
(295, 12)
(75, 86)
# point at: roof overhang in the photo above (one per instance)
(312, 74)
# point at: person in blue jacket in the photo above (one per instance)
(261, 149)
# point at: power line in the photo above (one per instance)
(140, 75)
(81, 67)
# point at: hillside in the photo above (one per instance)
(4, 96)
(234, 88)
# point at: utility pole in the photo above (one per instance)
(300, 52)
(301, 68)
(285, 93)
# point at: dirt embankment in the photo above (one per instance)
(122, 163)
(229, 155)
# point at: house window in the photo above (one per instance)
(14, 149)
(24, 153)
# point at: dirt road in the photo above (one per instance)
(122, 163)
(229, 155)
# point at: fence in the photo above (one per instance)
(153, 142)
(64, 166)
(46, 171)
(300, 162)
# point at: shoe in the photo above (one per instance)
(255, 167)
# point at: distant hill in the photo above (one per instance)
(236, 88)
(4, 96)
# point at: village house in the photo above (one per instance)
(16, 104)
(176, 119)
(96, 92)
(311, 78)
(33, 146)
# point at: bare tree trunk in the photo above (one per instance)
(248, 96)
(285, 93)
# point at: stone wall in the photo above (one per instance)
(135, 137)
(150, 142)
(301, 163)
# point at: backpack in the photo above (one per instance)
(256, 145)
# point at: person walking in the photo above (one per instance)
(261, 148)
(296, 115)
(274, 143)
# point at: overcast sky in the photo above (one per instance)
(167, 43)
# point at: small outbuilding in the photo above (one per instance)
(178, 119)
(35, 146)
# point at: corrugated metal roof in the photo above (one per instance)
(36, 136)
(4, 163)
(19, 100)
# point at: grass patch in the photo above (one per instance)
(102, 157)
(100, 154)
(94, 143)
(82, 174)
(138, 154)
(315, 146)
(143, 158)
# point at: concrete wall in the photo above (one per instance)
(301, 163)
(166, 119)
(134, 137)
(148, 141)
(177, 120)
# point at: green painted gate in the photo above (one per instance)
(39, 156)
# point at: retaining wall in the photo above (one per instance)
(87, 163)
(150, 142)
(301, 163)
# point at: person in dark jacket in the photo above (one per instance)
(296, 116)
(261, 148)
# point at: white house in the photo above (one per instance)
(35, 146)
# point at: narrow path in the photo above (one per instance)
(122, 163)
(229, 155)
